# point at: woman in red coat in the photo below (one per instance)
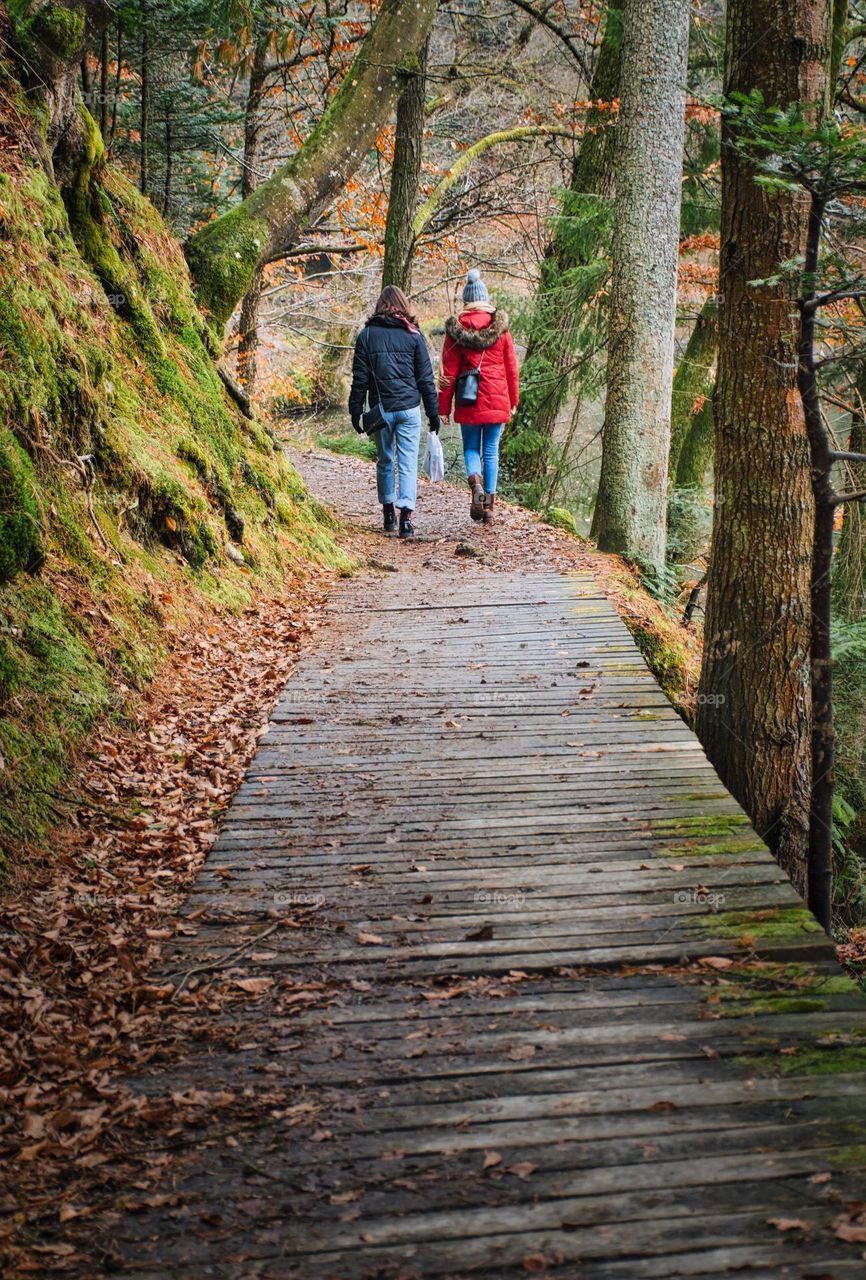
(480, 339)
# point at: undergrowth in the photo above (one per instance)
(134, 498)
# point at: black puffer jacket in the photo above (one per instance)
(392, 364)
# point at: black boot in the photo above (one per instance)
(389, 517)
(406, 529)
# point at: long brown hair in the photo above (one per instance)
(393, 302)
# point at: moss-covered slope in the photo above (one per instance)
(133, 495)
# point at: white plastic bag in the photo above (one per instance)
(434, 458)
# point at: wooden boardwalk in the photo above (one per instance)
(566, 1016)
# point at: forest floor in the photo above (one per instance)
(272, 1066)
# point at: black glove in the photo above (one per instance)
(434, 426)
(357, 424)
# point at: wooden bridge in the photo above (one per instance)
(517, 990)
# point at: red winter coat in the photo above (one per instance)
(480, 338)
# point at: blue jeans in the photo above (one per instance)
(479, 443)
(400, 439)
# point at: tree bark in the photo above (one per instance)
(249, 318)
(144, 120)
(405, 173)
(632, 496)
(567, 281)
(849, 577)
(754, 704)
(103, 84)
(819, 878)
(692, 394)
(224, 255)
(52, 39)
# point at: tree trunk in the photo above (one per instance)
(144, 121)
(849, 576)
(249, 318)
(754, 704)
(52, 41)
(405, 173)
(103, 85)
(569, 275)
(224, 255)
(692, 393)
(632, 496)
(169, 161)
(692, 437)
(115, 98)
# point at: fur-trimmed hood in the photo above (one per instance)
(477, 339)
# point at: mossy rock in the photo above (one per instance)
(560, 518)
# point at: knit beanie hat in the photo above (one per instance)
(475, 290)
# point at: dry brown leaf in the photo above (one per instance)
(256, 986)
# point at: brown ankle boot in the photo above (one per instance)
(476, 488)
(487, 514)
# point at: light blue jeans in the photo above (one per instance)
(481, 452)
(400, 439)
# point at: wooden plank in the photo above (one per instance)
(548, 880)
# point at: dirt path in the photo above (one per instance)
(486, 975)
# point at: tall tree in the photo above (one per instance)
(225, 254)
(249, 317)
(405, 173)
(849, 580)
(754, 710)
(571, 273)
(144, 122)
(631, 508)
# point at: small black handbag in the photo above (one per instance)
(468, 384)
(373, 419)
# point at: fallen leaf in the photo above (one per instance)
(254, 985)
(484, 934)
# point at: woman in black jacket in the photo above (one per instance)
(392, 368)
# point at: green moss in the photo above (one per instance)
(667, 660)
(92, 233)
(701, 826)
(559, 518)
(20, 538)
(836, 1058)
(775, 922)
(850, 1157)
(223, 257)
(52, 29)
(734, 847)
(174, 470)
